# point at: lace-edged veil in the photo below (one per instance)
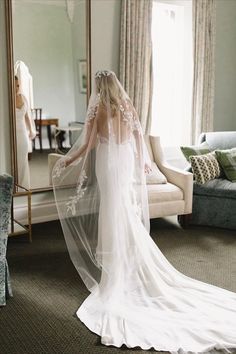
(112, 120)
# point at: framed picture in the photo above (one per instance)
(82, 70)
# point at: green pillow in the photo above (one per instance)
(194, 150)
(227, 160)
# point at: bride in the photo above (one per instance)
(137, 297)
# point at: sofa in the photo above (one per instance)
(214, 202)
(165, 199)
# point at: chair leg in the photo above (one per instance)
(184, 220)
(49, 136)
(40, 140)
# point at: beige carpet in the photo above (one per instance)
(47, 290)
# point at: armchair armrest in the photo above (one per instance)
(181, 178)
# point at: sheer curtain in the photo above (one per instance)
(172, 71)
(136, 56)
(204, 26)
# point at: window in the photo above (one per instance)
(172, 71)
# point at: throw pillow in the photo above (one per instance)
(155, 176)
(205, 167)
(227, 160)
(195, 150)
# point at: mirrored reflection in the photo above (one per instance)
(49, 46)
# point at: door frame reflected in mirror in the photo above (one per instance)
(11, 84)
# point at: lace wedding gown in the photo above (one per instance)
(137, 297)
(146, 302)
(22, 139)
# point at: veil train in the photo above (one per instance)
(137, 297)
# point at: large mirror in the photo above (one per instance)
(49, 62)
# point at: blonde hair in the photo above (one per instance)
(107, 86)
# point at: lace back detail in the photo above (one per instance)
(92, 112)
(129, 117)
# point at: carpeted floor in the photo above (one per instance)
(47, 290)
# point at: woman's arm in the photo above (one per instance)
(32, 134)
(28, 123)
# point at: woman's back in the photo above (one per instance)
(115, 123)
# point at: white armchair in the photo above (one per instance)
(171, 198)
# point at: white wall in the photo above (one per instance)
(105, 20)
(78, 29)
(225, 67)
(42, 39)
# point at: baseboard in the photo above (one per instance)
(40, 212)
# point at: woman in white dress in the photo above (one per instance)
(24, 133)
(137, 297)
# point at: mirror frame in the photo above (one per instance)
(11, 83)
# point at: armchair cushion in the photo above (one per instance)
(164, 192)
(155, 176)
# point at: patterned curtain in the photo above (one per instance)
(136, 56)
(204, 23)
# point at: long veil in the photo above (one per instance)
(137, 297)
(112, 122)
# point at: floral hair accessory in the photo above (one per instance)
(101, 73)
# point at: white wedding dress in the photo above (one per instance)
(147, 302)
(137, 297)
(22, 140)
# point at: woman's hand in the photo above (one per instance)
(32, 135)
(66, 161)
(147, 168)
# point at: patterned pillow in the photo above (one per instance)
(205, 167)
(227, 160)
(201, 149)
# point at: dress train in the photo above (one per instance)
(142, 300)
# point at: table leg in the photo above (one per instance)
(49, 135)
